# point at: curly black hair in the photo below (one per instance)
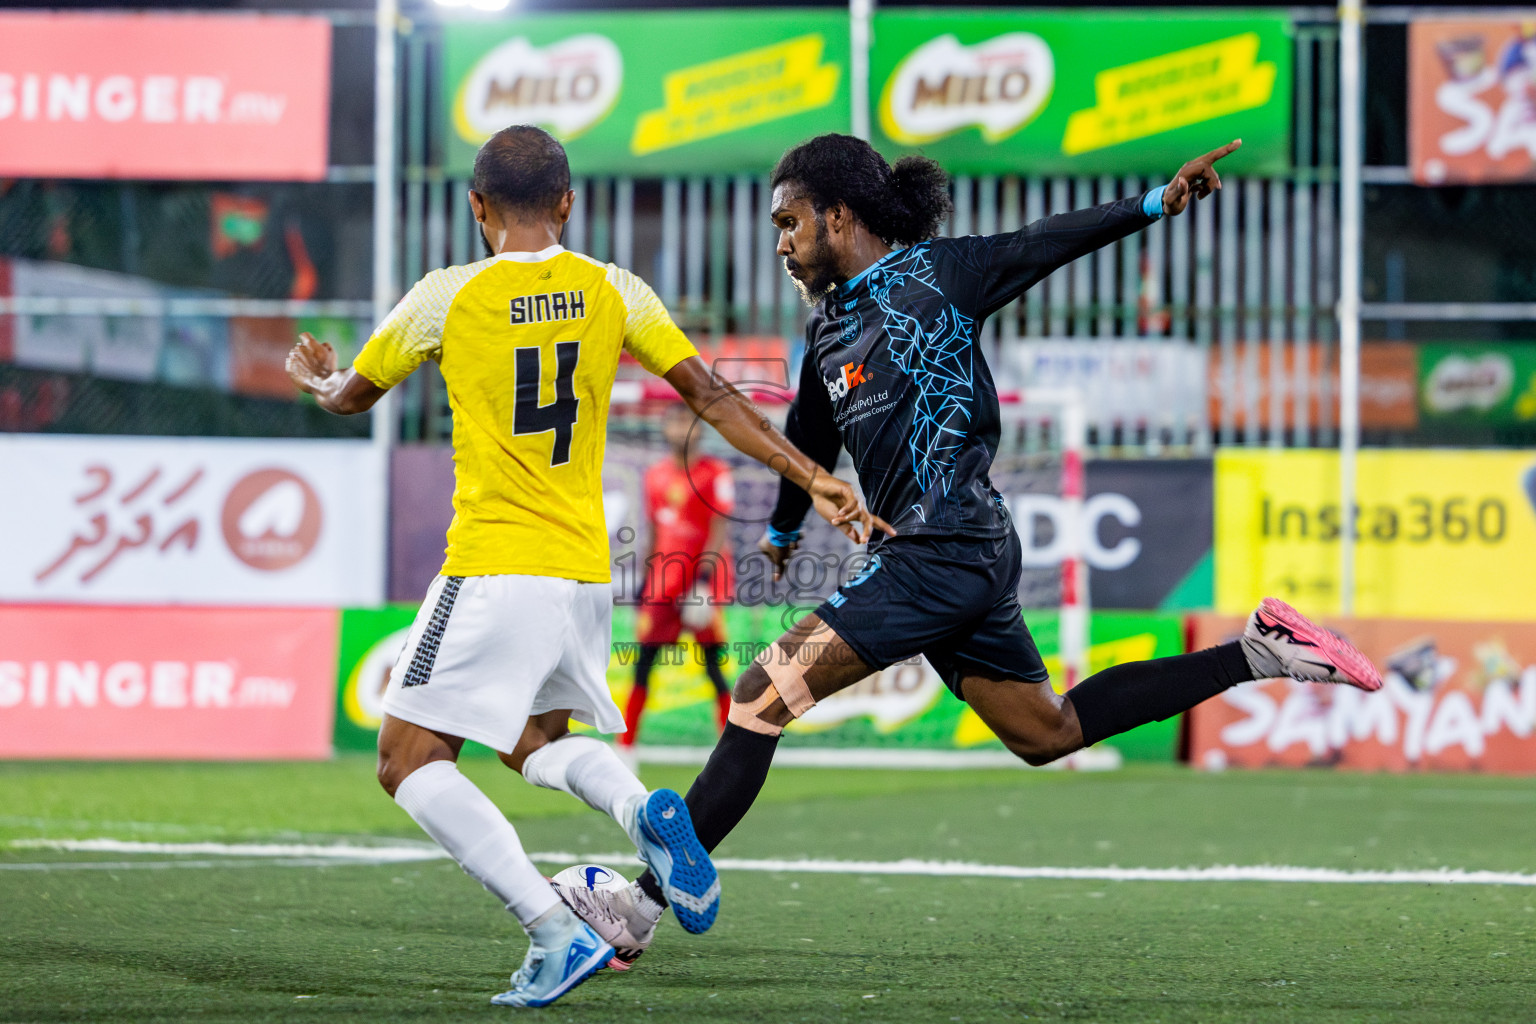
(523, 170)
(903, 205)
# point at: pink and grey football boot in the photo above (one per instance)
(1281, 642)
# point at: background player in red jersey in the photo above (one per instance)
(688, 568)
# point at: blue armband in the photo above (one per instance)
(1152, 203)
(783, 538)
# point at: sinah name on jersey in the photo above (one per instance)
(537, 309)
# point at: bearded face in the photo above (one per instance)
(812, 268)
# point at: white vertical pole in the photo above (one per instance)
(860, 32)
(1073, 625)
(386, 14)
(1350, 156)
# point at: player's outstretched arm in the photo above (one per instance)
(312, 366)
(750, 432)
(1017, 260)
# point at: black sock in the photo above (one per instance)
(648, 653)
(724, 790)
(1125, 696)
(714, 662)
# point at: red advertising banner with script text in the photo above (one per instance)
(1471, 90)
(166, 683)
(164, 96)
(1458, 696)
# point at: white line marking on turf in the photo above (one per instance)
(312, 855)
(965, 869)
(332, 851)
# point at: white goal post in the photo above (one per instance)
(1026, 416)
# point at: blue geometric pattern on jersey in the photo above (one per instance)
(937, 358)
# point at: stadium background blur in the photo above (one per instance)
(197, 564)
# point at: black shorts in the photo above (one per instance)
(952, 599)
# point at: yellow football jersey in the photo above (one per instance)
(528, 344)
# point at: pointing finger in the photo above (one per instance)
(1217, 154)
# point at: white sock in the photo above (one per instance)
(463, 821)
(553, 930)
(589, 770)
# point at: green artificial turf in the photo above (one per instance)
(420, 941)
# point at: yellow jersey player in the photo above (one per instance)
(513, 638)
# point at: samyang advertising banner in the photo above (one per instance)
(205, 683)
(1069, 93)
(1471, 89)
(654, 93)
(230, 98)
(1441, 533)
(128, 520)
(1457, 696)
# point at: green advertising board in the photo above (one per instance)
(1066, 94)
(651, 94)
(1472, 383)
(719, 92)
(371, 639)
(1082, 93)
(904, 707)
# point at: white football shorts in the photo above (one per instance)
(488, 652)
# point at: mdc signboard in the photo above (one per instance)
(1458, 696)
(164, 96)
(1471, 89)
(207, 683)
(1070, 93)
(196, 521)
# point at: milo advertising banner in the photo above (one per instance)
(1466, 382)
(653, 93)
(1068, 93)
(904, 707)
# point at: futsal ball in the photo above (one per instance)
(591, 876)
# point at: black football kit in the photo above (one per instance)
(892, 372)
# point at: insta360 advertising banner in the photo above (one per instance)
(164, 96)
(1442, 534)
(127, 520)
(979, 91)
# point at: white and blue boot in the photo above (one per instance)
(663, 832)
(565, 953)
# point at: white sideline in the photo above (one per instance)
(307, 855)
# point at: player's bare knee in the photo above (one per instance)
(1045, 746)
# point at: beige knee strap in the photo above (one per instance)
(788, 673)
(745, 715)
(786, 682)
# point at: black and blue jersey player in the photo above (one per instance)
(892, 373)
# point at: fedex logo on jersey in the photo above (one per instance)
(850, 377)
